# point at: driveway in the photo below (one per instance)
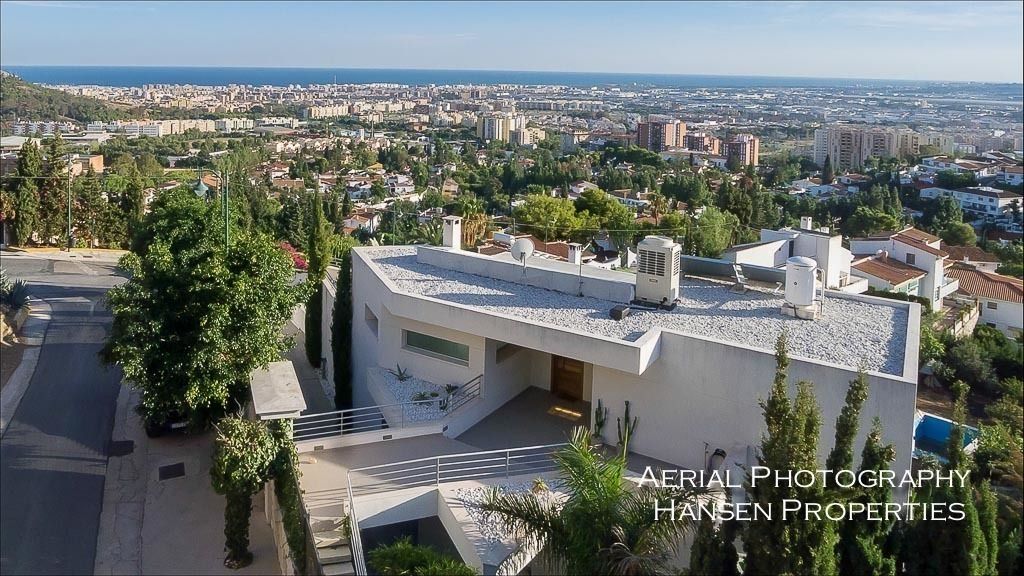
(53, 456)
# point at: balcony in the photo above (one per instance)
(949, 286)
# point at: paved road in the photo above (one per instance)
(53, 456)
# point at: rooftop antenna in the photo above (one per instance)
(521, 250)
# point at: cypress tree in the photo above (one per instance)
(346, 205)
(778, 545)
(26, 193)
(827, 171)
(862, 542)
(53, 193)
(319, 256)
(341, 335)
(841, 457)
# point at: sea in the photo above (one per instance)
(130, 76)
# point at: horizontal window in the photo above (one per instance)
(992, 305)
(437, 347)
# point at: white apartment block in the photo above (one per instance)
(978, 200)
(153, 128)
(498, 126)
(1012, 175)
(909, 261)
(849, 146)
(42, 128)
(234, 124)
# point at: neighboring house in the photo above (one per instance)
(362, 220)
(1012, 175)
(999, 297)
(450, 188)
(825, 248)
(579, 187)
(970, 255)
(886, 259)
(977, 200)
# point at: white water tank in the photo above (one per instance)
(800, 283)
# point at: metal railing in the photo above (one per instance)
(355, 540)
(381, 417)
(452, 468)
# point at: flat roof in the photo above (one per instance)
(851, 332)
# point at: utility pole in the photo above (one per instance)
(70, 242)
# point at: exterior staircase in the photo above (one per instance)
(333, 551)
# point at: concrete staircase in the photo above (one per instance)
(333, 551)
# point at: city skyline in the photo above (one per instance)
(877, 40)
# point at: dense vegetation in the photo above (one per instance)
(20, 99)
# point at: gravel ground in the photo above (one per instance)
(403, 391)
(492, 530)
(849, 333)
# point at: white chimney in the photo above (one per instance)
(575, 253)
(451, 236)
(806, 223)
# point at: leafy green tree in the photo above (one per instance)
(711, 233)
(341, 335)
(603, 525)
(319, 257)
(378, 191)
(548, 218)
(951, 180)
(26, 193)
(244, 453)
(942, 213)
(713, 552)
(865, 221)
(194, 321)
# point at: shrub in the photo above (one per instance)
(297, 258)
(403, 558)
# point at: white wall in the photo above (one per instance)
(692, 396)
(1008, 316)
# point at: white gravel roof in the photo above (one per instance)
(849, 333)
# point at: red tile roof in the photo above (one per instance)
(919, 235)
(892, 271)
(910, 241)
(986, 284)
(967, 253)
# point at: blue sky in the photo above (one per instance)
(981, 41)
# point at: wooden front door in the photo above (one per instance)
(567, 378)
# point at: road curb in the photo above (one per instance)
(34, 329)
(33, 334)
(11, 395)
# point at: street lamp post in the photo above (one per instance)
(202, 190)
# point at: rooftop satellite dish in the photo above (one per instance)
(522, 249)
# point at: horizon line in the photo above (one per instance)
(683, 74)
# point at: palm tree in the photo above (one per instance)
(659, 206)
(428, 233)
(605, 525)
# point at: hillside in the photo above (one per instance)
(21, 99)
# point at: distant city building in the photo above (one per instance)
(848, 147)
(703, 142)
(660, 135)
(34, 128)
(498, 126)
(745, 148)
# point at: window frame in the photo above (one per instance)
(434, 353)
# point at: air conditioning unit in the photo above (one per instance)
(657, 270)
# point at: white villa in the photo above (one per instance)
(534, 346)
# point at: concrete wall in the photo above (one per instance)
(691, 396)
(1007, 316)
(768, 254)
(328, 296)
(553, 275)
